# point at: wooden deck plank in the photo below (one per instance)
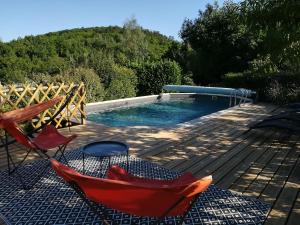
(240, 162)
(295, 212)
(194, 150)
(252, 172)
(208, 165)
(200, 150)
(245, 162)
(206, 150)
(284, 202)
(237, 172)
(273, 188)
(194, 133)
(262, 180)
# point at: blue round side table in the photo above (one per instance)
(105, 149)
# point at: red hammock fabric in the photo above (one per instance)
(27, 113)
(133, 195)
(48, 138)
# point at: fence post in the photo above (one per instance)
(82, 105)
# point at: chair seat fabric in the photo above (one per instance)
(133, 195)
(50, 138)
(118, 173)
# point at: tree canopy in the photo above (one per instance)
(252, 43)
(251, 38)
(102, 57)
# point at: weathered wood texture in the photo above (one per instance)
(262, 164)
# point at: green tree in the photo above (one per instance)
(152, 76)
(98, 48)
(279, 22)
(94, 88)
(134, 41)
(218, 42)
(122, 85)
(92, 82)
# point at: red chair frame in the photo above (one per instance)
(27, 113)
(49, 139)
(134, 195)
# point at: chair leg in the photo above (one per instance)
(20, 177)
(62, 154)
(13, 168)
(6, 150)
(160, 219)
(15, 171)
(98, 212)
(11, 163)
(189, 208)
(127, 165)
(16, 166)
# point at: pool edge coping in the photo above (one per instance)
(186, 124)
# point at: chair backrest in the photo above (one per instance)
(68, 99)
(136, 197)
(12, 128)
(27, 113)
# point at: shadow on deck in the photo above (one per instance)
(261, 163)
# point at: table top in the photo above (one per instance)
(105, 148)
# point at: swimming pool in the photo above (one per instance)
(161, 113)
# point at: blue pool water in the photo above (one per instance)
(164, 113)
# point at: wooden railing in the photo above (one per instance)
(21, 95)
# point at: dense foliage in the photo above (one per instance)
(218, 42)
(101, 57)
(153, 75)
(252, 44)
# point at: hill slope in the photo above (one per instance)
(95, 48)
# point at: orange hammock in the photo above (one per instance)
(134, 195)
(27, 113)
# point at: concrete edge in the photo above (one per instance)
(127, 102)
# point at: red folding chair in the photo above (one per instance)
(48, 140)
(134, 195)
(27, 113)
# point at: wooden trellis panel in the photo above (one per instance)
(19, 96)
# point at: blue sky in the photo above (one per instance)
(19, 18)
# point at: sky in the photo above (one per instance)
(19, 18)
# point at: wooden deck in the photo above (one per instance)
(263, 164)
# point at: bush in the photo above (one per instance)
(93, 85)
(277, 87)
(262, 66)
(187, 79)
(152, 76)
(122, 85)
(281, 94)
(94, 88)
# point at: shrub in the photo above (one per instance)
(122, 85)
(93, 85)
(262, 66)
(152, 76)
(187, 79)
(277, 87)
(281, 94)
